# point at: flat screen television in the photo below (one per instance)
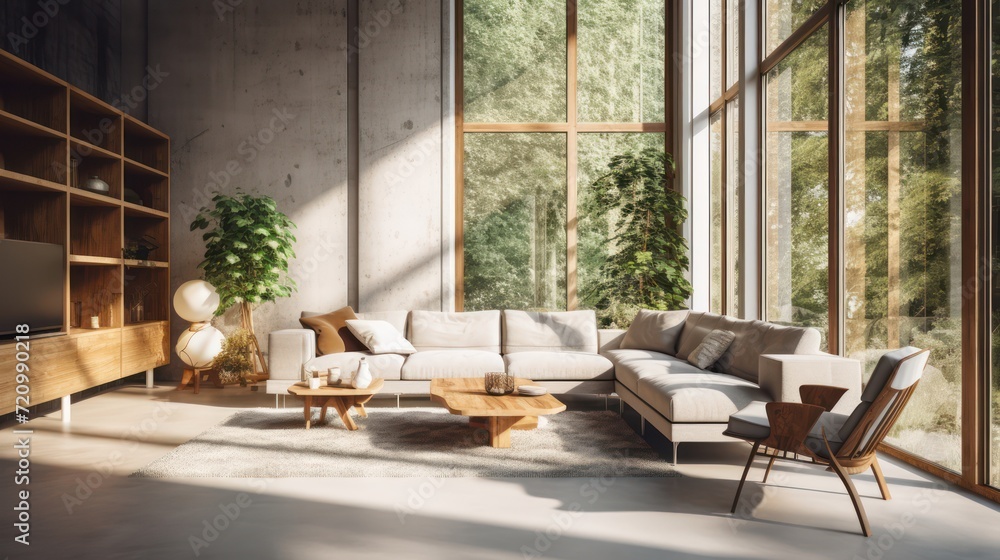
(32, 280)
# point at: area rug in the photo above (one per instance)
(409, 442)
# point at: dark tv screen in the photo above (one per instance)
(32, 280)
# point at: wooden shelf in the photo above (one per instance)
(11, 180)
(133, 263)
(137, 211)
(83, 149)
(81, 197)
(52, 137)
(13, 124)
(132, 166)
(86, 260)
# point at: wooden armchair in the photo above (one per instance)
(845, 444)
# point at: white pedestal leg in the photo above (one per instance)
(65, 411)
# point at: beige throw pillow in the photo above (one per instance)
(380, 337)
(712, 347)
(655, 330)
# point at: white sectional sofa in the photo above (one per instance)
(565, 351)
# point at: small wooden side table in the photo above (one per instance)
(341, 398)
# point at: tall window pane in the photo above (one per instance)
(783, 17)
(732, 42)
(717, 193)
(902, 195)
(733, 197)
(595, 224)
(514, 61)
(797, 187)
(515, 221)
(620, 75)
(717, 45)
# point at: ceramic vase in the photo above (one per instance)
(363, 378)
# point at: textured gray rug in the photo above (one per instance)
(409, 442)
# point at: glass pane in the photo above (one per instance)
(515, 221)
(734, 195)
(620, 60)
(783, 17)
(716, 44)
(993, 464)
(797, 188)
(515, 61)
(732, 42)
(716, 194)
(902, 196)
(594, 228)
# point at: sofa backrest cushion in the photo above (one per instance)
(753, 338)
(658, 331)
(397, 319)
(436, 330)
(563, 331)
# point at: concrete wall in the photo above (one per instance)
(97, 45)
(234, 65)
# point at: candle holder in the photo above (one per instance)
(499, 383)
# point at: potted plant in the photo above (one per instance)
(248, 246)
(648, 259)
(236, 361)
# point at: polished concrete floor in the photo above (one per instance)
(83, 505)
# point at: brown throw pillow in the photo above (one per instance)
(332, 334)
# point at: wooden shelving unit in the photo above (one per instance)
(54, 136)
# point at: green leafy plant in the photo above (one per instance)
(247, 251)
(236, 361)
(648, 258)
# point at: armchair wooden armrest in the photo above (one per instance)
(825, 396)
(790, 425)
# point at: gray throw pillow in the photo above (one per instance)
(712, 347)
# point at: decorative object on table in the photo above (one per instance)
(132, 197)
(308, 373)
(363, 378)
(247, 252)
(95, 322)
(633, 200)
(236, 360)
(315, 383)
(333, 375)
(137, 301)
(139, 248)
(196, 301)
(499, 383)
(380, 337)
(96, 185)
(531, 390)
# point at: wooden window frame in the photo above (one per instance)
(571, 128)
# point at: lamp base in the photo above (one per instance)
(194, 378)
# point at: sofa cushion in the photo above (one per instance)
(564, 331)
(386, 366)
(712, 348)
(435, 330)
(632, 365)
(394, 318)
(697, 325)
(559, 365)
(332, 334)
(380, 337)
(698, 397)
(655, 330)
(751, 423)
(451, 363)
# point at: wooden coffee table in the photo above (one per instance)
(467, 396)
(342, 399)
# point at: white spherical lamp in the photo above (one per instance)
(196, 301)
(199, 345)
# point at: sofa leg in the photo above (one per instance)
(676, 444)
(276, 400)
(642, 425)
(397, 400)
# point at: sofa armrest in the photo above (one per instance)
(288, 350)
(781, 376)
(609, 339)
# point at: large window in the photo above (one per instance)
(724, 141)
(551, 91)
(882, 267)
(993, 377)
